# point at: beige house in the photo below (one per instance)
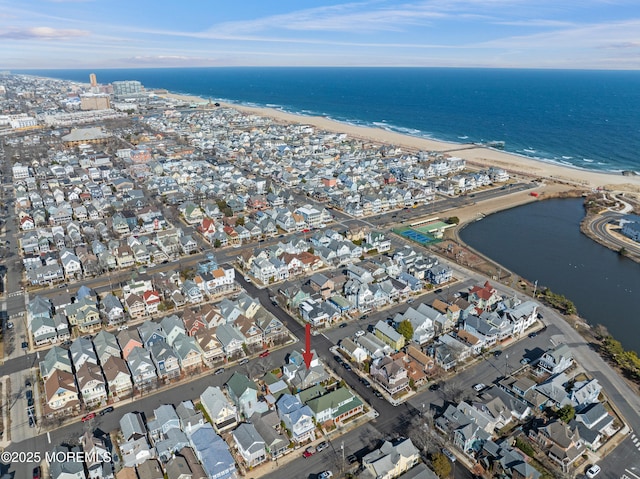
(391, 461)
(61, 394)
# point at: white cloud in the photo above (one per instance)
(42, 33)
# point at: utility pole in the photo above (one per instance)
(535, 288)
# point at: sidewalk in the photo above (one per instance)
(296, 453)
(5, 441)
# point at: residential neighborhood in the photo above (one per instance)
(196, 291)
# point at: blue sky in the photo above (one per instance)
(602, 34)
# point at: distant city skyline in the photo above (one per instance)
(589, 34)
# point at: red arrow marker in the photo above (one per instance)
(307, 355)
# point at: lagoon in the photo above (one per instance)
(542, 241)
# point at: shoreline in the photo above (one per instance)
(476, 155)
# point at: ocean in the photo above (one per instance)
(584, 119)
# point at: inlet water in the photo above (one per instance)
(542, 241)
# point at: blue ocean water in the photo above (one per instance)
(586, 119)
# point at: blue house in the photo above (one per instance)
(439, 274)
(212, 452)
(151, 333)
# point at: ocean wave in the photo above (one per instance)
(530, 152)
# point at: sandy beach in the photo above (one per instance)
(474, 155)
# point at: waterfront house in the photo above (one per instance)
(556, 360)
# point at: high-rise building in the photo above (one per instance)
(127, 89)
(93, 80)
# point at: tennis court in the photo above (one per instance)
(418, 237)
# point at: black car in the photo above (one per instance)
(219, 371)
(533, 335)
(434, 387)
(106, 410)
(32, 421)
(343, 325)
(377, 394)
(352, 458)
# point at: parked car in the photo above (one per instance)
(9, 325)
(343, 325)
(219, 371)
(325, 475)
(243, 361)
(264, 354)
(524, 361)
(308, 452)
(533, 335)
(479, 387)
(106, 410)
(593, 471)
(88, 417)
(359, 333)
(434, 387)
(322, 446)
(36, 472)
(377, 394)
(352, 458)
(449, 454)
(32, 421)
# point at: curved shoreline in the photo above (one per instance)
(477, 155)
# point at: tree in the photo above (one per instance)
(453, 220)
(217, 243)
(441, 465)
(240, 221)
(566, 413)
(406, 329)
